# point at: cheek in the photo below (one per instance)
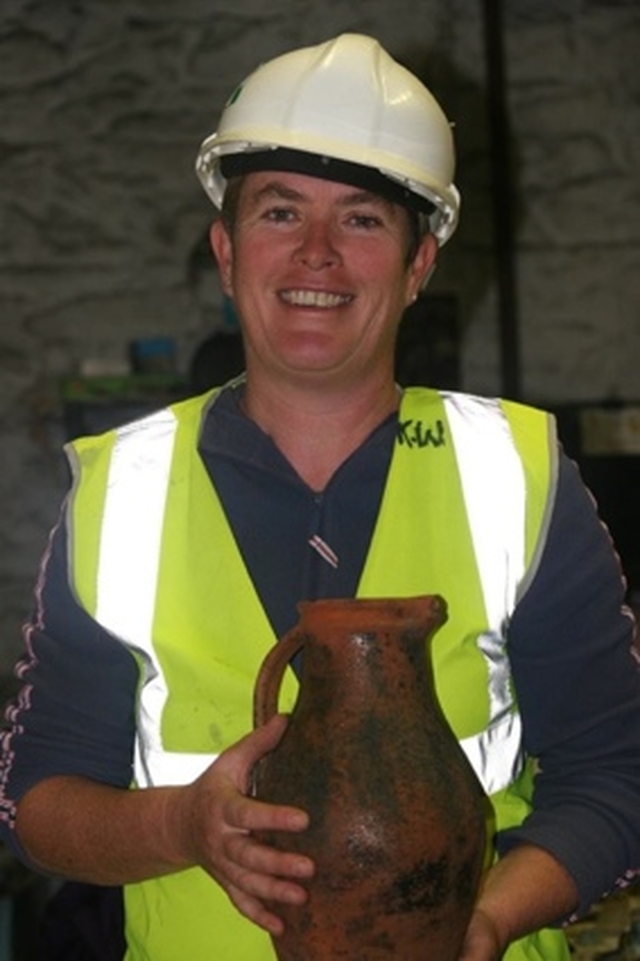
(254, 263)
(380, 264)
(391, 283)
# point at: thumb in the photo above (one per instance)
(266, 737)
(253, 746)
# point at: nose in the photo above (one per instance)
(317, 249)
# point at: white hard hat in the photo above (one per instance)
(344, 101)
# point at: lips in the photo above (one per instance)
(315, 298)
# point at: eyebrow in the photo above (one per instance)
(275, 188)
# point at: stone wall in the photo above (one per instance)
(103, 105)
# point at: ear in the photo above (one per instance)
(223, 252)
(422, 266)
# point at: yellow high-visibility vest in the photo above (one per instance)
(464, 514)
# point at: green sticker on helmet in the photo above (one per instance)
(234, 96)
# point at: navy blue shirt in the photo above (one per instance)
(569, 643)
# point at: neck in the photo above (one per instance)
(317, 432)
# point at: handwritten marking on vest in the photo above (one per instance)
(414, 433)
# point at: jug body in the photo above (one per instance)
(396, 812)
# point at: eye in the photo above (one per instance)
(279, 215)
(365, 221)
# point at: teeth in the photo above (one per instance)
(313, 298)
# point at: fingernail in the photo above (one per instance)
(304, 867)
(297, 896)
(299, 821)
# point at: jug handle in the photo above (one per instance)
(267, 687)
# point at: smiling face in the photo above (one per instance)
(319, 275)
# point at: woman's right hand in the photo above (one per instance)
(216, 821)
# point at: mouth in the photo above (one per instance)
(322, 299)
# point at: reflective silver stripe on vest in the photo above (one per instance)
(494, 488)
(135, 502)
(127, 579)
(158, 767)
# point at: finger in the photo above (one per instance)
(265, 888)
(255, 911)
(249, 854)
(248, 814)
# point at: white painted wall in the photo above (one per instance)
(102, 106)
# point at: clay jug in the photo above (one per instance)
(396, 812)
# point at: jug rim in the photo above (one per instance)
(378, 612)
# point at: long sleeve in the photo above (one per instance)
(74, 713)
(578, 686)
